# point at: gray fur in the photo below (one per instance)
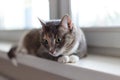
(56, 40)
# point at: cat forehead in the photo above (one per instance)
(51, 27)
(51, 35)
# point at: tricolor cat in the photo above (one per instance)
(57, 40)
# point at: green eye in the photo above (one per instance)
(58, 40)
(45, 41)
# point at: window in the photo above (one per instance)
(101, 13)
(22, 14)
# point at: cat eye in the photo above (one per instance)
(58, 40)
(45, 41)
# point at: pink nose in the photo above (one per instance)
(52, 51)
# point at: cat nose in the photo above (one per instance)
(52, 51)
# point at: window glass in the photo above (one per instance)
(22, 14)
(100, 13)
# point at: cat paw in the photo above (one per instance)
(74, 59)
(63, 59)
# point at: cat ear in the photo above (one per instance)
(66, 22)
(42, 23)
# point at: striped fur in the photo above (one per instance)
(53, 41)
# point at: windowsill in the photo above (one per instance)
(93, 67)
(101, 63)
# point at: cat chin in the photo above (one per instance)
(55, 54)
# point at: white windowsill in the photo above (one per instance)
(93, 67)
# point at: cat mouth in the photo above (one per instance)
(54, 54)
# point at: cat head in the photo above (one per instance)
(55, 35)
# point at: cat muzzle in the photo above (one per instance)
(52, 51)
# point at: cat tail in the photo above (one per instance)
(12, 56)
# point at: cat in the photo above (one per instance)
(57, 40)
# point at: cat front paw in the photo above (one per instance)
(73, 59)
(63, 59)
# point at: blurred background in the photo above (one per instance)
(22, 14)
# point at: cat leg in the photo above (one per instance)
(73, 58)
(63, 59)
